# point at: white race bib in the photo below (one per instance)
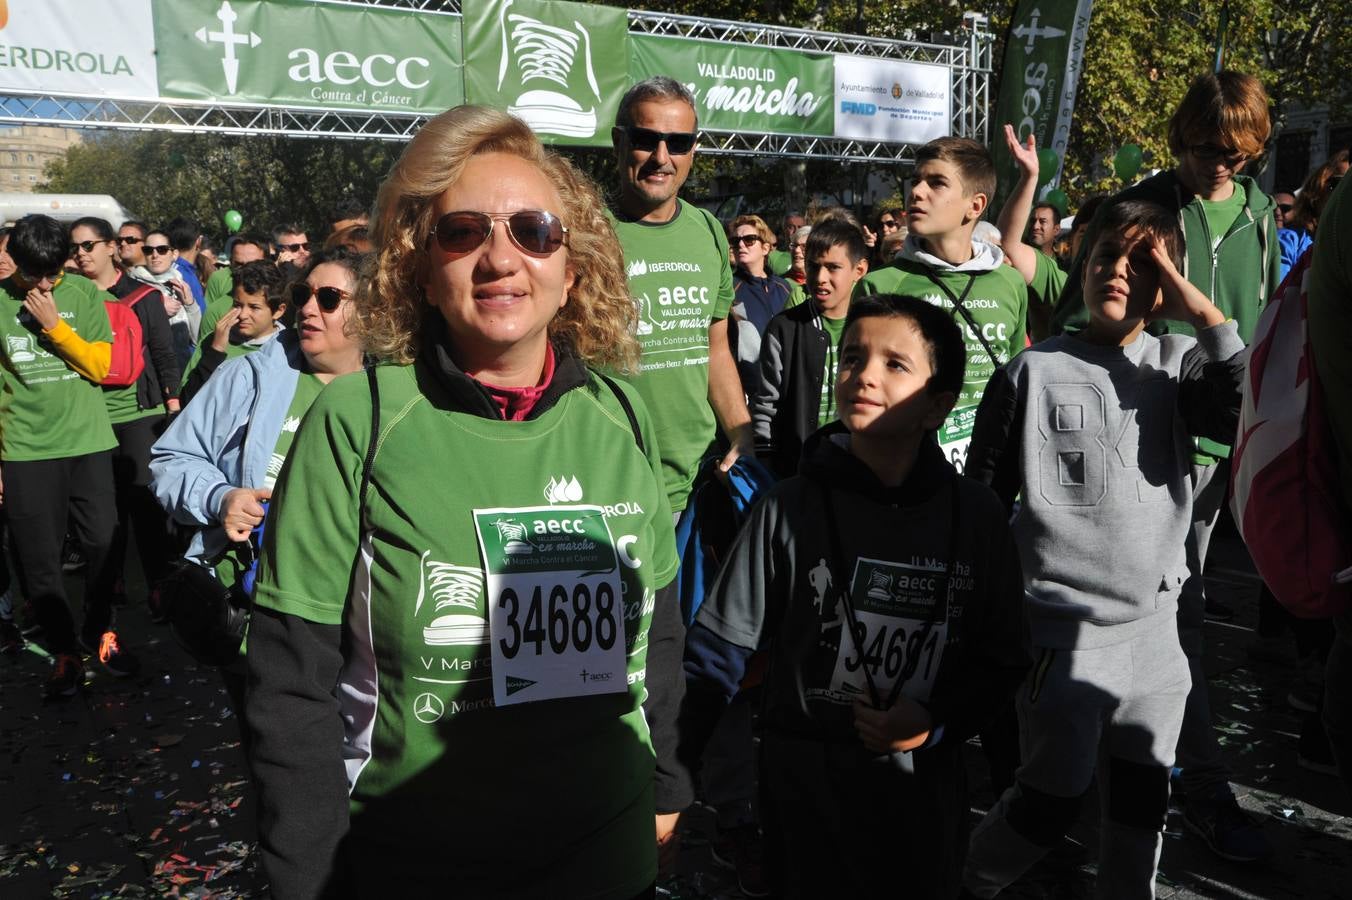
(898, 633)
(555, 609)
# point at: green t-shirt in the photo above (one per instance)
(826, 412)
(47, 409)
(1043, 292)
(308, 387)
(779, 262)
(681, 279)
(998, 303)
(218, 286)
(560, 788)
(123, 407)
(215, 309)
(1221, 215)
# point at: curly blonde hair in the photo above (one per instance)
(599, 319)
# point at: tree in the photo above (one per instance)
(268, 179)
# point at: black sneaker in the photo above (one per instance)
(67, 673)
(1225, 828)
(28, 620)
(11, 641)
(118, 662)
(73, 561)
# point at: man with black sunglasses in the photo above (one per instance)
(55, 446)
(680, 276)
(130, 237)
(291, 245)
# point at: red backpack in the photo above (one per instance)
(1284, 487)
(128, 358)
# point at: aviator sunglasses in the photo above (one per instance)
(534, 231)
(328, 297)
(678, 143)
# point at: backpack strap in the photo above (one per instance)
(370, 459)
(137, 295)
(627, 407)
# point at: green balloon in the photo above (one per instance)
(1057, 197)
(1127, 162)
(233, 220)
(1047, 161)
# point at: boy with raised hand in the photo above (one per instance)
(799, 355)
(885, 589)
(1093, 430)
(941, 262)
(1043, 275)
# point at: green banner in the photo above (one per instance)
(296, 53)
(738, 87)
(1044, 52)
(560, 67)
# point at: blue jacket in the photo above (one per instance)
(224, 439)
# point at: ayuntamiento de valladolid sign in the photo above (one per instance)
(561, 67)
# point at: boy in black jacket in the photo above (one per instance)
(887, 593)
(798, 351)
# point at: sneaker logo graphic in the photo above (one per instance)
(879, 585)
(21, 348)
(547, 53)
(636, 268)
(457, 589)
(515, 684)
(645, 306)
(292, 424)
(428, 708)
(513, 537)
(231, 39)
(563, 490)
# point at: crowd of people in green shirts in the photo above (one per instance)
(464, 444)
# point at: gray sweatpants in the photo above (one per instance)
(1117, 710)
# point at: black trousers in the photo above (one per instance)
(138, 512)
(41, 497)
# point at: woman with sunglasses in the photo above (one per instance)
(184, 315)
(137, 412)
(215, 466)
(475, 661)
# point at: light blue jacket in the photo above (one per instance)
(224, 438)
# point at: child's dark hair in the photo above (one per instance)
(942, 337)
(972, 160)
(260, 275)
(1146, 216)
(830, 233)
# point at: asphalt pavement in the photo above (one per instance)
(137, 787)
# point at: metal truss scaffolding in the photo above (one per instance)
(969, 60)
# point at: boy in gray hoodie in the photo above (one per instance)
(1094, 429)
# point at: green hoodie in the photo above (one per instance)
(1240, 273)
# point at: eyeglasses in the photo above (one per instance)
(295, 248)
(86, 246)
(534, 231)
(157, 249)
(886, 224)
(678, 143)
(1286, 207)
(128, 240)
(28, 282)
(1211, 153)
(328, 298)
(746, 240)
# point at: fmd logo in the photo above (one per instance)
(854, 108)
(230, 38)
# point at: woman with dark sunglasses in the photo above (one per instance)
(465, 646)
(185, 318)
(215, 466)
(138, 411)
